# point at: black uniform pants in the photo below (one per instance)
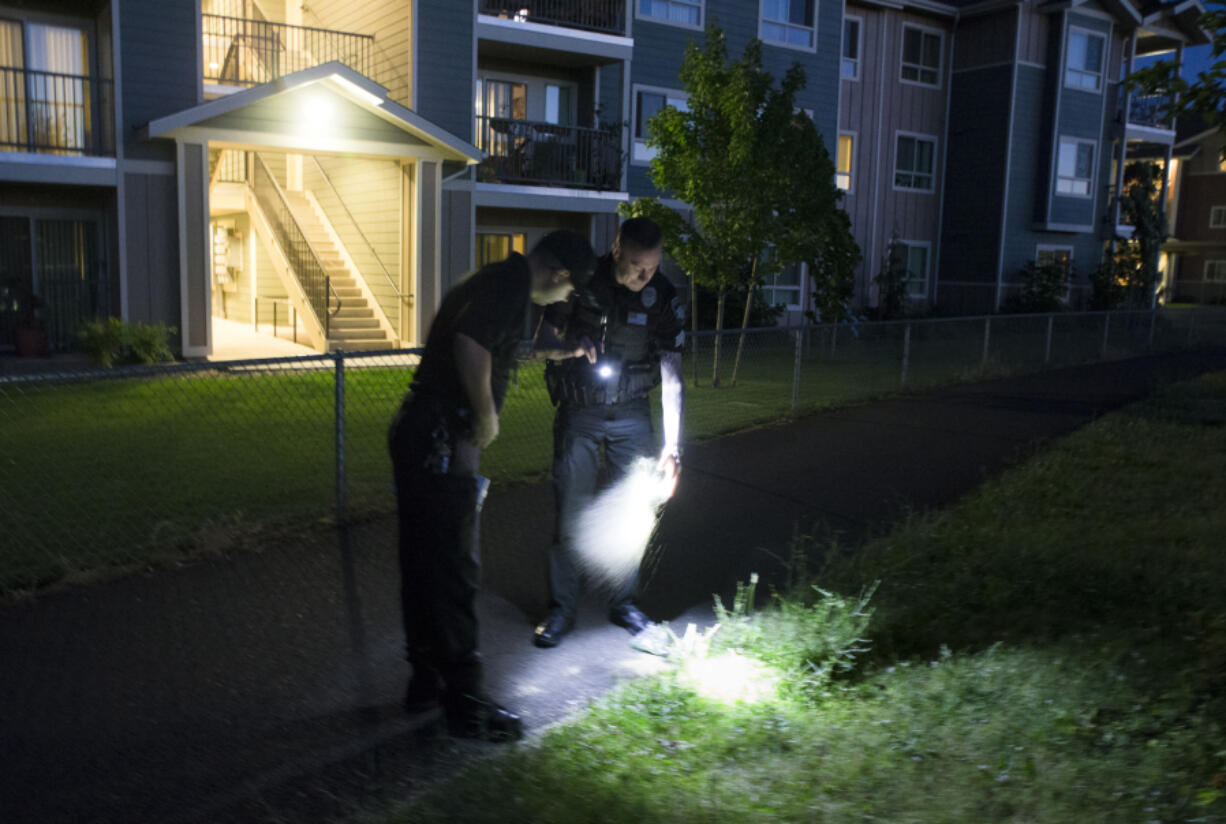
(624, 431)
(438, 512)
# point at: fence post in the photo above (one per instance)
(339, 355)
(987, 339)
(906, 354)
(1102, 355)
(796, 369)
(1047, 347)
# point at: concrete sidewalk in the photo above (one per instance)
(266, 686)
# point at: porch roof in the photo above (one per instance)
(326, 108)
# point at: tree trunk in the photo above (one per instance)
(740, 344)
(719, 327)
(694, 325)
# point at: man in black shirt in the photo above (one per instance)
(635, 318)
(448, 416)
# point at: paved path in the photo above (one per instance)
(266, 686)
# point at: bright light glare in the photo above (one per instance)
(729, 677)
(317, 112)
(355, 90)
(611, 535)
(606, 371)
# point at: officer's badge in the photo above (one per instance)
(649, 297)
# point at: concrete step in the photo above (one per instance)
(358, 345)
(347, 293)
(351, 312)
(347, 325)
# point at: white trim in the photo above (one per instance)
(1220, 211)
(702, 15)
(810, 49)
(240, 139)
(940, 232)
(1214, 263)
(1004, 205)
(635, 90)
(926, 245)
(851, 172)
(902, 64)
(1094, 159)
(931, 138)
(121, 194)
(859, 21)
(512, 196)
(517, 28)
(1065, 227)
(1105, 57)
(874, 245)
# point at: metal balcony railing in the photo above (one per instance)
(608, 16)
(1149, 110)
(526, 151)
(246, 52)
(52, 113)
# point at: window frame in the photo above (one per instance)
(635, 140)
(1040, 248)
(926, 245)
(1219, 266)
(932, 174)
(903, 65)
(812, 29)
(702, 13)
(851, 162)
(1102, 69)
(1220, 213)
(859, 24)
(1090, 182)
(799, 288)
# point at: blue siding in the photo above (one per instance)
(161, 68)
(444, 63)
(974, 196)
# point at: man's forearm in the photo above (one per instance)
(474, 365)
(672, 399)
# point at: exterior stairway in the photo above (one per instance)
(354, 326)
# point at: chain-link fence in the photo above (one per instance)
(118, 467)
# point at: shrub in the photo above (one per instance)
(1043, 288)
(112, 341)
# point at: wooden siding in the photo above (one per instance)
(987, 40)
(1199, 193)
(152, 210)
(161, 68)
(389, 21)
(1035, 30)
(368, 193)
(876, 108)
(444, 62)
(457, 250)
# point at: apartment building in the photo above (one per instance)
(1195, 253)
(332, 167)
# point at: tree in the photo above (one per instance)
(1129, 276)
(755, 174)
(1206, 95)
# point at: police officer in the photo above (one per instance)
(448, 416)
(632, 317)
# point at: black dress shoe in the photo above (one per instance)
(482, 719)
(550, 631)
(630, 617)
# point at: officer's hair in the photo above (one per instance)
(640, 232)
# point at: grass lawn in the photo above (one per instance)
(1052, 649)
(109, 473)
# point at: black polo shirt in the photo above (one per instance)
(490, 307)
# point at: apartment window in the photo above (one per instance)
(647, 102)
(502, 98)
(559, 107)
(1075, 167)
(788, 23)
(1217, 217)
(843, 161)
(683, 12)
(921, 56)
(913, 162)
(783, 288)
(45, 93)
(495, 246)
(914, 257)
(1215, 270)
(1084, 63)
(1060, 256)
(850, 67)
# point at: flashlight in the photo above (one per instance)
(606, 370)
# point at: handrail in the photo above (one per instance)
(56, 113)
(277, 48)
(386, 274)
(607, 16)
(303, 258)
(530, 151)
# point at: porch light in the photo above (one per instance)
(317, 112)
(354, 90)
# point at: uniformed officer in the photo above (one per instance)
(634, 317)
(448, 416)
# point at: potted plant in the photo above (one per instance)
(30, 330)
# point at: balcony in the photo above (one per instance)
(52, 113)
(546, 154)
(246, 52)
(604, 16)
(1147, 118)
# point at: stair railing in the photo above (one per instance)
(304, 260)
